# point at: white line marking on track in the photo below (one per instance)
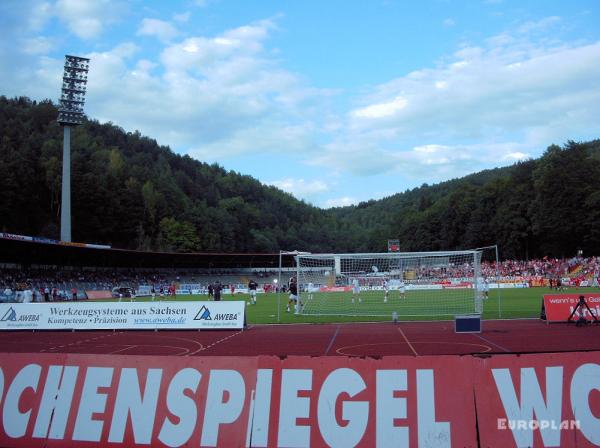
(492, 342)
(123, 349)
(163, 338)
(407, 341)
(187, 340)
(57, 347)
(337, 330)
(215, 343)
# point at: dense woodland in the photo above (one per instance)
(130, 192)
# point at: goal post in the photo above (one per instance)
(419, 284)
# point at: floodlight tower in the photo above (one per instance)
(70, 113)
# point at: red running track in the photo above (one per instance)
(368, 339)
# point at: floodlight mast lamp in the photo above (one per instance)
(70, 113)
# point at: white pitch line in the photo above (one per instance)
(215, 343)
(122, 349)
(56, 347)
(407, 341)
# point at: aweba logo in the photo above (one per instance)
(11, 316)
(203, 314)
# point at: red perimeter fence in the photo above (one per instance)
(78, 400)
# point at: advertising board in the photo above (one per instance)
(73, 400)
(122, 315)
(559, 307)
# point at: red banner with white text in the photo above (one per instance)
(63, 400)
(82, 400)
(540, 400)
(560, 306)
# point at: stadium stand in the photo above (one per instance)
(35, 266)
(26, 265)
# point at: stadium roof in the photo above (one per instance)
(34, 253)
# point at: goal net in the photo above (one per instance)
(381, 284)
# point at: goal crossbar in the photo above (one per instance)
(387, 254)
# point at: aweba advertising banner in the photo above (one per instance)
(122, 315)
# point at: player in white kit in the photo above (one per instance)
(356, 291)
(311, 288)
(386, 290)
(402, 289)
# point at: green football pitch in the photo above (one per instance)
(501, 304)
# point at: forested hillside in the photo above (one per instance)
(130, 192)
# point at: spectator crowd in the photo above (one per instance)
(54, 284)
(39, 284)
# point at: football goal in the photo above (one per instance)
(381, 284)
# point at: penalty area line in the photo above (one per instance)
(407, 341)
(337, 330)
(493, 343)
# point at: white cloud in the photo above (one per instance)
(422, 163)
(163, 31)
(228, 95)
(382, 109)
(439, 162)
(28, 19)
(37, 45)
(301, 188)
(449, 22)
(183, 17)
(87, 19)
(539, 25)
(344, 201)
(264, 137)
(469, 112)
(359, 157)
(213, 97)
(38, 14)
(431, 162)
(243, 45)
(512, 156)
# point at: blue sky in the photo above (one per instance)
(334, 101)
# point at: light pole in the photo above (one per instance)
(70, 113)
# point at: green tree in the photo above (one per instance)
(563, 181)
(133, 193)
(176, 236)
